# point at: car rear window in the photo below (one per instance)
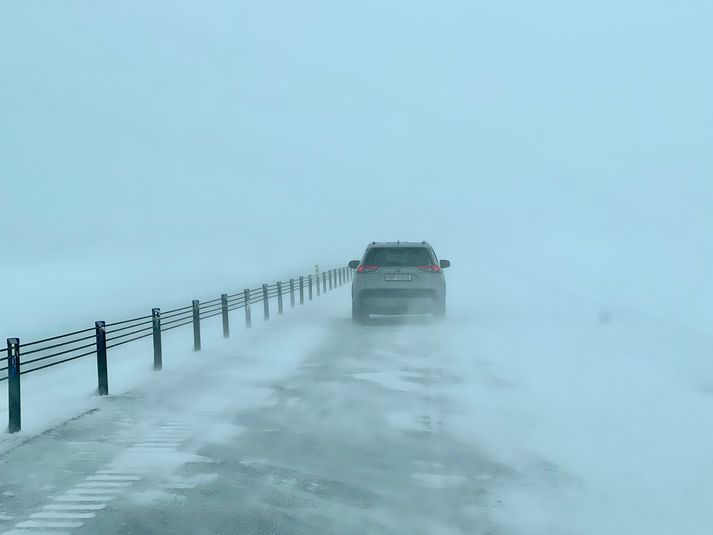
(398, 257)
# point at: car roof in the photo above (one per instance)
(375, 244)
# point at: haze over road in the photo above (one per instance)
(353, 440)
(493, 421)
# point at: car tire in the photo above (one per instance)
(358, 315)
(440, 311)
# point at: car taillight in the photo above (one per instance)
(363, 268)
(434, 268)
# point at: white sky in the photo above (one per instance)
(569, 139)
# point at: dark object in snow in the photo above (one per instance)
(604, 317)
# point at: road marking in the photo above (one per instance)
(102, 485)
(81, 502)
(73, 507)
(70, 498)
(150, 447)
(34, 532)
(85, 492)
(113, 478)
(43, 524)
(63, 516)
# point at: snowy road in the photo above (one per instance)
(351, 440)
(511, 419)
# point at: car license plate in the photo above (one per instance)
(397, 277)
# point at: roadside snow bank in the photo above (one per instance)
(606, 419)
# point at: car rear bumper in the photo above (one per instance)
(398, 301)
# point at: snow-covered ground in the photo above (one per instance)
(558, 154)
(60, 393)
(596, 422)
(605, 419)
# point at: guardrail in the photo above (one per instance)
(101, 338)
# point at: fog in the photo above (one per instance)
(225, 140)
(559, 154)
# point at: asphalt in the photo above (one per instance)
(354, 440)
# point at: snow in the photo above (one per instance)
(252, 357)
(557, 154)
(607, 426)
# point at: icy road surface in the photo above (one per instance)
(521, 421)
(352, 441)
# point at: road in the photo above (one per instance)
(351, 439)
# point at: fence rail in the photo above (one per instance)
(101, 338)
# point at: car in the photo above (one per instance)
(395, 278)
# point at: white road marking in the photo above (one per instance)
(70, 498)
(74, 507)
(48, 524)
(152, 452)
(113, 478)
(34, 532)
(79, 502)
(153, 448)
(85, 492)
(62, 516)
(102, 485)
(138, 469)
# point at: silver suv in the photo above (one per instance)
(398, 278)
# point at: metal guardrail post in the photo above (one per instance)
(102, 374)
(157, 351)
(330, 280)
(292, 293)
(324, 281)
(13, 385)
(302, 290)
(248, 315)
(265, 303)
(196, 325)
(316, 278)
(341, 276)
(224, 311)
(309, 285)
(279, 298)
